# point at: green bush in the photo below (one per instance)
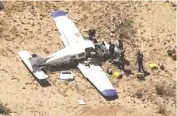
(1, 6)
(139, 94)
(4, 110)
(165, 91)
(125, 29)
(162, 109)
(160, 90)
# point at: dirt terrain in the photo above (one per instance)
(149, 26)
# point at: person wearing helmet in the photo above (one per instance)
(140, 61)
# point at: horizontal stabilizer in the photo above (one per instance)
(37, 62)
(25, 57)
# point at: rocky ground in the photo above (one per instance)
(149, 26)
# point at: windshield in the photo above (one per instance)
(66, 72)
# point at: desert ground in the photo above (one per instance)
(149, 26)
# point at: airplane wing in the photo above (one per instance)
(25, 58)
(69, 33)
(99, 79)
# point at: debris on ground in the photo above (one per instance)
(117, 74)
(66, 75)
(140, 75)
(80, 101)
(109, 71)
(172, 53)
(153, 66)
(161, 66)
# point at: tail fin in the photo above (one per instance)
(37, 62)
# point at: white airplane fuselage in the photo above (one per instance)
(70, 54)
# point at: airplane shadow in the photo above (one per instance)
(42, 83)
(111, 98)
(63, 67)
(72, 66)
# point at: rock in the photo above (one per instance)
(24, 88)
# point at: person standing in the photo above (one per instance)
(91, 34)
(120, 46)
(121, 59)
(140, 61)
(111, 50)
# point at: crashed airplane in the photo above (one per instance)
(76, 49)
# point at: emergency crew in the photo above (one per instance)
(120, 46)
(91, 34)
(121, 60)
(111, 50)
(140, 61)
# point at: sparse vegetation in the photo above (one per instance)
(124, 29)
(162, 90)
(1, 29)
(4, 110)
(139, 94)
(1, 6)
(162, 109)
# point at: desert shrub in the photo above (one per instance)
(161, 109)
(125, 29)
(1, 6)
(1, 29)
(162, 90)
(4, 110)
(139, 94)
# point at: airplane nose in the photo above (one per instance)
(109, 93)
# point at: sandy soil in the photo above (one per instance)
(28, 25)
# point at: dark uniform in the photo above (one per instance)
(111, 50)
(91, 34)
(121, 60)
(120, 45)
(140, 62)
(93, 39)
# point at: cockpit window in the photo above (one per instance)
(81, 55)
(66, 72)
(73, 57)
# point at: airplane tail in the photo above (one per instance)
(37, 62)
